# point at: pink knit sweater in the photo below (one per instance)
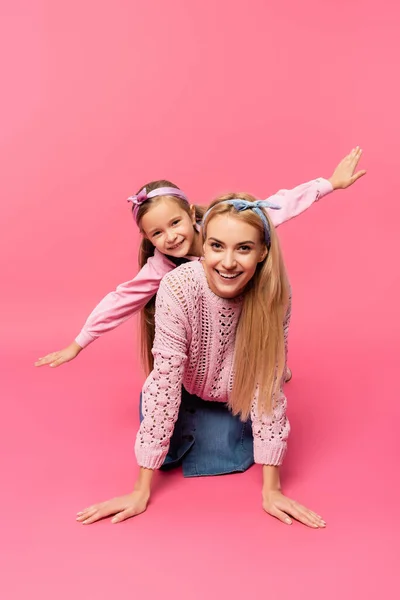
(194, 347)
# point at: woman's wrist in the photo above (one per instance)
(143, 482)
(271, 479)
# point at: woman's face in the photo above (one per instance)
(232, 251)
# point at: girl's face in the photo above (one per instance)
(232, 251)
(169, 228)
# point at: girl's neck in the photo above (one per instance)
(196, 249)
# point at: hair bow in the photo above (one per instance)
(139, 198)
(240, 205)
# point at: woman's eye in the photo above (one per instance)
(244, 248)
(215, 245)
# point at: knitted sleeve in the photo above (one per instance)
(161, 394)
(270, 431)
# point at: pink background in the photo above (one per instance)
(97, 98)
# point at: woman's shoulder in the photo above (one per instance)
(185, 274)
(184, 282)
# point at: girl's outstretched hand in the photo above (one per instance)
(120, 508)
(55, 359)
(345, 173)
(281, 507)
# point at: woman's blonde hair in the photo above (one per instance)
(146, 250)
(260, 354)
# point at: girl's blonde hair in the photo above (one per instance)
(146, 250)
(260, 354)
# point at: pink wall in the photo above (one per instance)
(100, 97)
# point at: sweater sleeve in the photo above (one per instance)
(127, 299)
(299, 199)
(270, 432)
(161, 394)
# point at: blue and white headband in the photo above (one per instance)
(239, 204)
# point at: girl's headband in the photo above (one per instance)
(142, 196)
(239, 204)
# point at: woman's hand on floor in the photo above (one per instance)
(284, 509)
(119, 509)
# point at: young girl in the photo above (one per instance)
(170, 235)
(221, 333)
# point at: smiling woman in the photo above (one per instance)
(230, 263)
(236, 264)
(214, 399)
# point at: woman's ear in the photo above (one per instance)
(263, 255)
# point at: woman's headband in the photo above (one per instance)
(240, 205)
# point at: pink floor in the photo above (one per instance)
(68, 441)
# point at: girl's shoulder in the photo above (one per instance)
(160, 262)
(163, 262)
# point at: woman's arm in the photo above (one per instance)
(270, 439)
(160, 406)
(271, 431)
(161, 394)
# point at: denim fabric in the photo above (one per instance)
(208, 439)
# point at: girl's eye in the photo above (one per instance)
(176, 222)
(156, 233)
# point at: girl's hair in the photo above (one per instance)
(146, 250)
(260, 355)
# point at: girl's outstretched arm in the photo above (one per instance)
(299, 199)
(115, 308)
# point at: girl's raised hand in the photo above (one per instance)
(345, 173)
(55, 359)
(122, 508)
(281, 507)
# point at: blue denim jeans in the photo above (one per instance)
(208, 439)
